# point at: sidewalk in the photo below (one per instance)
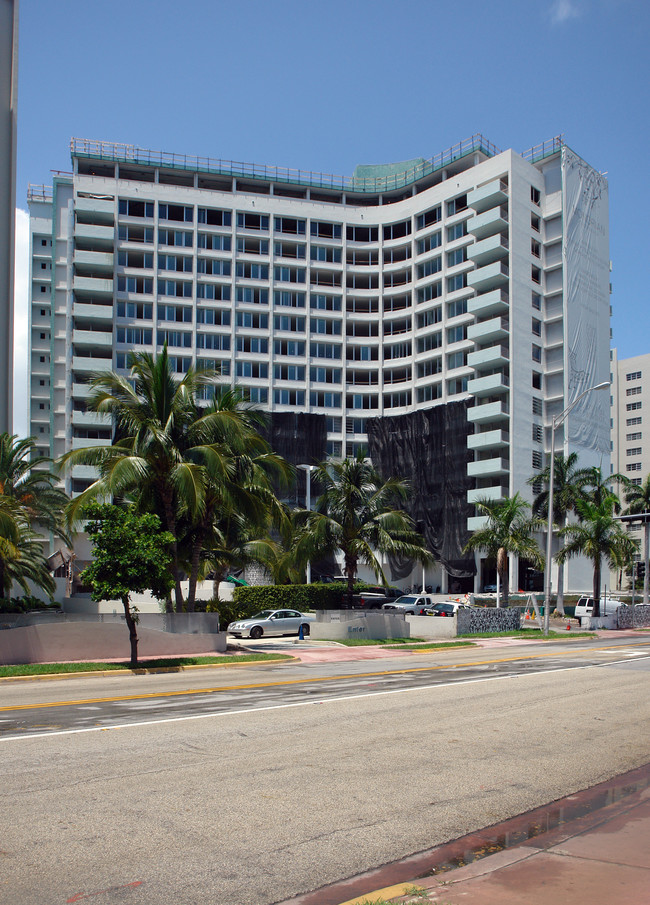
(591, 848)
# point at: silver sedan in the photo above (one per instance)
(272, 622)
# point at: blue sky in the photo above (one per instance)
(325, 86)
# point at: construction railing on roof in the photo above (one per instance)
(122, 153)
(546, 149)
(39, 192)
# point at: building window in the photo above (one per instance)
(250, 271)
(175, 339)
(430, 317)
(325, 253)
(256, 395)
(253, 320)
(632, 406)
(177, 313)
(257, 369)
(325, 325)
(631, 421)
(634, 451)
(324, 350)
(456, 387)
(428, 217)
(290, 226)
(535, 222)
(457, 282)
(246, 294)
(180, 212)
(325, 230)
(633, 466)
(535, 195)
(432, 291)
(456, 360)
(536, 459)
(214, 217)
(249, 246)
(258, 222)
(535, 274)
(362, 233)
(288, 322)
(289, 397)
(429, 243)
(429, 393)
(129, 207)
(536, 301)
(290, 347)
(325, 375)
(397, 230)
(214, 317)
(538, 433)
(536, 352)
(456, 205)
(455, 309)
(457, 231)
(137, 336)
(537, 327)
(215, 291)
(288, 274)
(255, 344)
(324, 302)
(325, 399)
(535, 248)
(183, 239)
(459, 256)
(537, 406)
(537, 380)
(287, 299)
(633, 391)
(633, 375)
(638, 435)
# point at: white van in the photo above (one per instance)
(608, 606)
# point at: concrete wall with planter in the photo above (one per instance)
(340, 625)
(83, 603)
(59, 638)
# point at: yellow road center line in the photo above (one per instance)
(307, 680)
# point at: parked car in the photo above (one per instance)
(373, 598)
(489, 589)
(410, 604)
(272, 622)
(447, 608)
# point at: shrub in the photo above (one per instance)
(26, 604)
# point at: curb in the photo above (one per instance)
(141, 670)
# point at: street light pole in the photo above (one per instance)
(308, 469)
(555, 423)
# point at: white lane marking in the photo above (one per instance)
(351, 697)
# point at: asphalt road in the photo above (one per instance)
(271, 781)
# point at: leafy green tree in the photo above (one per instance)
(599, 536)
(130, 555)
(358, 514)
(508, 531)
(568, 484)
(637, 497)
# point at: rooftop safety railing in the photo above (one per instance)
(39, 192)
(122, 153)
(545, 149)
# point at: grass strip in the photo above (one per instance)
(401, 643)
(46, 669)
(535, 633)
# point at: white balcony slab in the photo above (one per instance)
(493, 357)
(493, 194)
(494, 302)
(488, 467)
(489, 277)
(489, 411)
(488, 440)
(488, 385)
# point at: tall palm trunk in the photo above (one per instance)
(502, 569)
(559, 604)
(350, 571)
(195, 563)
(170, 525)
(596, 610)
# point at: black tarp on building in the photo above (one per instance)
(429, 449)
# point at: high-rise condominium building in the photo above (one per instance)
(437, 313)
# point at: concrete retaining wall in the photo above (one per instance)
(432, 627)
(49, 638)
(339, 625)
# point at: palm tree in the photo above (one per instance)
(356, 514)
(165, 445)
(21, 552)
(508, 531)
(25, 480)
(598, 535)
(568, 481)
(637, 497)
